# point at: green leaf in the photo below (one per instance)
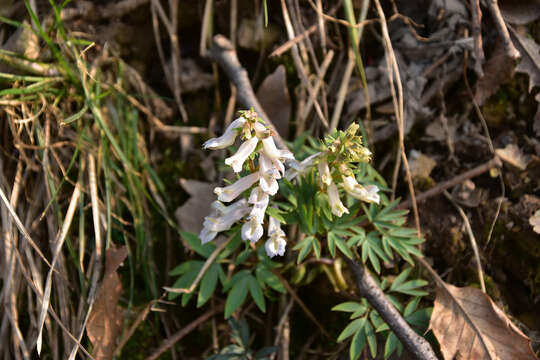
(390, 345)
(410, 287)
(349, 306)
(317, 248)
(353, 327)
(357, 345)
(269, 278)
(256, 293)
(374, 261)
(411, 306)
(400, 279)
(208, 285)
(186, 280)
(195, 243)
(305, 247)
(371, 339)
(276, 213)
(264, 352)
(344, 248)
(236, 296)
(332, 243)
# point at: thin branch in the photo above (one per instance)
(367, 287)
(169, 342)
(439, 188)
(222, 51)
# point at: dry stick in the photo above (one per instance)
(301, 303)
(367, 288)
(320, 80)
(493, 7)
(290, 43)
(439, 188)
(201, 273)
(168, 343)
(393, 70)
(342, 92)
(472, 238)
(477, 35)
(222, 52)
(281, 324)
(298, 63)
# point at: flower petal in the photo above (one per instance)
(324, 172)
(367, 194)
(237, 160)
(228, 137)
(336, 206)
(252, 230)
(231, 192)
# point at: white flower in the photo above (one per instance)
(276, 243)
(237, 160)
(336, 205)
(269, 175)
(324, 172)
(367, 194)
(270, 150)
(222, 218)
(252, 230)
(298, 168)
(227, 139)
(207, 235)
(231, 192)
(260, 200)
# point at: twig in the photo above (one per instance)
(298, 63)
(367, 287)
(201, 273)
(223, 52)
(301, 303)
(472, 238)
(168, 343)
(342, 92)
(493, 7)
(439, 188)
(477, 35)
(393, 70)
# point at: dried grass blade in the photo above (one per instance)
(59, 242)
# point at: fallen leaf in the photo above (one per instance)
(274, 98)
(105, 320)
(535, 221)
(252, 34)
(468, 325)
(420, 164)
(191, 215)
(498, 70)
(513, 156)
(530, 57)
(519, 12)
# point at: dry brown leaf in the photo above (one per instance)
(274, 98)
(468, 325)
(520, 12)
(498, 70)
(535, 221)
(513, 155)
(190, 216)
(420, 165)
(530, 57)
(105, 320)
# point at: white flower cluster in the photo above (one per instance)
(257, 138)
(368, 193)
